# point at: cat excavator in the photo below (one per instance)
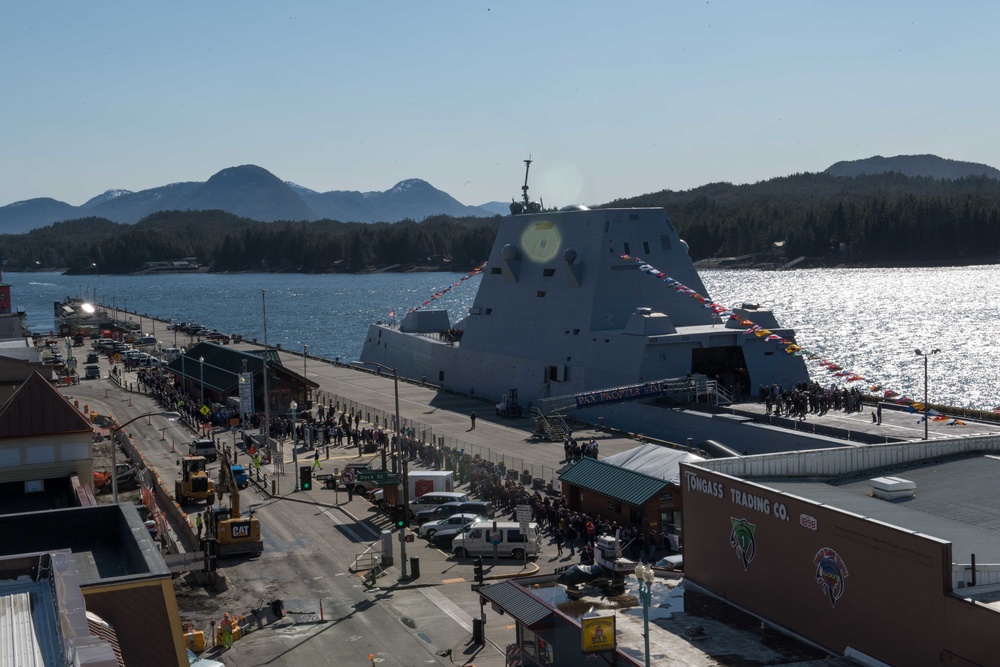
(233, 533)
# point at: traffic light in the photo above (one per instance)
(477, 569)
(400, 516)
(305, 478)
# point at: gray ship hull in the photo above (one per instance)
(564, 307)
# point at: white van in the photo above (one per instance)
(477, 540)
(429, 501)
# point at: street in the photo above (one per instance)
(310, 546)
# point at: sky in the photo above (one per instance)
(610, 100)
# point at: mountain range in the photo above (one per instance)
(252, 192)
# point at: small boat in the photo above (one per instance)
(608, 554)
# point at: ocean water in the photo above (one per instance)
(868, 321)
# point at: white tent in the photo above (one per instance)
(653, 460)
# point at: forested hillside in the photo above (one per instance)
(886, 219)
(230, 243)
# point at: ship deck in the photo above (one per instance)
(898, 424)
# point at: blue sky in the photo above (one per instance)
(610, 99)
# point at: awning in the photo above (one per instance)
(517, 602)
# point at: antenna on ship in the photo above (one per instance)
(517, 207)
(524, 188)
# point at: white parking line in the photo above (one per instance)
(339, 522)
(448, 607)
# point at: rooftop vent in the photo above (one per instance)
(892, 488)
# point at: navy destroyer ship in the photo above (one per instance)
(580, 307)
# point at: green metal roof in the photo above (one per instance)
(628, 486)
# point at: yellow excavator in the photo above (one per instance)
(234, 533)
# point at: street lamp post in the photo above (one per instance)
(201, 365)
(402, 461)
(926, 410)
(172, 416)
(279, 460)
(295, 444)
(244, 408)
(644, 573)
(305, 356)
(184, 382)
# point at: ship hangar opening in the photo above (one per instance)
(726, 365)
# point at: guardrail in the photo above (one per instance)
(368, 560)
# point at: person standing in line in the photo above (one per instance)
(473, 417)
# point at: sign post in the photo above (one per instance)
(495, 539)
(524, 519)
(380, 477)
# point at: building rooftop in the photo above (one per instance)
(628, 486)
(109, 542)
(118, 568)
(954, 500)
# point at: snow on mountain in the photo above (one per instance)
(107, 195)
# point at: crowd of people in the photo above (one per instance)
(809, 398)
(487, 480)
(575, 531)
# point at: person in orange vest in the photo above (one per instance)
(227, 631)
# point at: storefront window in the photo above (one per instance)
(671, 528)
(528, 639)
(537, 650)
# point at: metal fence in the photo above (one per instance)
(425, 433)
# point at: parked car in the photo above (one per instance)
(456, 520)
(203, 447)
(444, 538)
(672, 563)
(429, 501)
(218, 337)
(195, 661)
(435, 514)
(483, 508)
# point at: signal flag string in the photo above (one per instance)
(437, 295)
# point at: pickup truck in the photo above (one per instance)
(241, 476)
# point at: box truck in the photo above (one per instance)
(429, 481)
